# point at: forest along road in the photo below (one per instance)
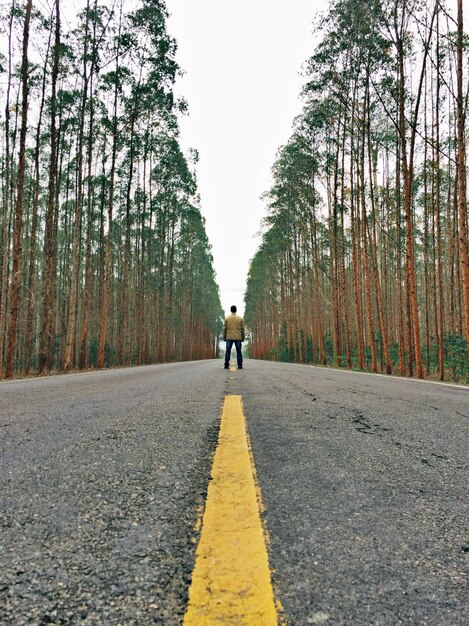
(103, 477)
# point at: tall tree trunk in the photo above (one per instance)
(83, 356)
(441, 309)
(374, 254)
(366, 260)
(343, 274)
(399, 296)
(355, 235)
(72, 302)
(48, 318)
(6, 199)
(123, 340)
(333, 199)
(18, 228)
(108, 257)
(407, 173)
(461, 167)
(409, 255)
(32, 306)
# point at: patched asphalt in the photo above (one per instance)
(364, 481)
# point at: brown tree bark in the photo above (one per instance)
(439, 243)
(73, 296)
(366, 259)
(83, 356)
(356, 261)
(6, 200)
(48, 320)
(33, 242)
(461, 168)
(18, 227)
(107, 269)
(374, 256)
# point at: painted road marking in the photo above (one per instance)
(232, 369)
(231, 582)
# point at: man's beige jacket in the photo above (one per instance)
(233, 327)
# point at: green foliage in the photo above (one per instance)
(455, 357)
(110, 354)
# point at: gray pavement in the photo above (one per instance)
(365, 483)
(101, 479)
(364, 480)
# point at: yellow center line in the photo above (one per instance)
(232, 369)
(231, 582)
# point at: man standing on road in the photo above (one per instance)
(233, 333)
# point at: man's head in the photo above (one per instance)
(233, 309)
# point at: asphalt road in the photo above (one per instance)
(103, 475)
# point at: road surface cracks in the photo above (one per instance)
(364, 481)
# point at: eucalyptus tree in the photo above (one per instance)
(32, 282)
(107, 197)
(461, 168)
(48, 314)
(371, 231)
(7, 67)
(18, 223)
(84, 42)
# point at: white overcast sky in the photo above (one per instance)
(242, 63)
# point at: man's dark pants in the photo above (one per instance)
(229, 345)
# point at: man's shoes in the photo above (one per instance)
(226, 367)
(240, 367)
